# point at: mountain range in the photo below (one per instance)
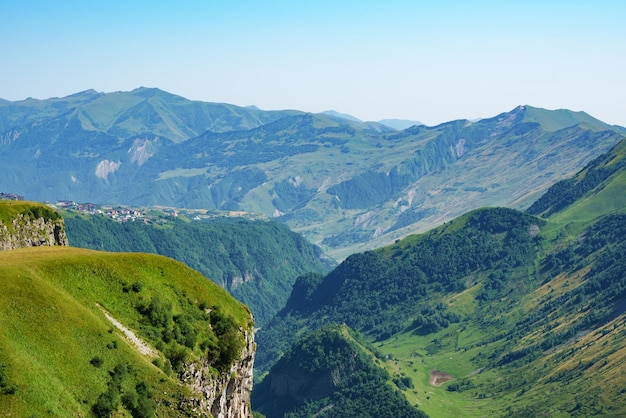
(513, 304)
(344, 184)
(495, 313)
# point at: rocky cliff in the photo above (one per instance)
(203, 348)
(227, 395)
(30, 225)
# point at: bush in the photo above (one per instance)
(177, 355)
(96, 361)
(403, 383)
(108, 402)
(5, 387)
(139, 401)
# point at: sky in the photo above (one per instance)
(429, 61)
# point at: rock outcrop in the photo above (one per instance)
(226, 395)
(23, 231)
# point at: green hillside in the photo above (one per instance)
(60, 355)
(10, 209)
(595, 191)
(327, 373)
(497, 313)
(256, 261)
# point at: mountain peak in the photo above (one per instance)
(554, 120)
(341, 115)
(149, 92)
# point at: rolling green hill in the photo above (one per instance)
(496, 313)
(346, 185)
(328, 373)
(256, 261)
(62, 354)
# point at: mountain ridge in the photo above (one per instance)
(345, 185)
(522, 315)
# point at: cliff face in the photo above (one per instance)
(227, 395)
(217, 382)
(23, 231)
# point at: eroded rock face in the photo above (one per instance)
(226, 395)
(25, 232)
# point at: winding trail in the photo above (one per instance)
(141, 345)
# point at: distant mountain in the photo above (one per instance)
(346, 185)
(399, 124)
(341, 115)
(495, 312)
(143, 111)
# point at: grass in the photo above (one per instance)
(410, 358)
(52, 328)
(609, 200)
(584, 374)
(10, 208)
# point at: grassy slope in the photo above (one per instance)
(580, 375)
(268, 254)
(10, 208)
(583, 376)
(52, 327)
(588, 369)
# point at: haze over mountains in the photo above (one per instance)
(496, 313)
(346, 185)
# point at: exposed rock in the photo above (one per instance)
(25, 232)
(226, 395)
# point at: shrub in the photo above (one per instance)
(5, 387)
(96, 361)
(139, 401)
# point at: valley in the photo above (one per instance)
(479, 268)
(534, 327)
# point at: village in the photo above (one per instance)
(159, 214)
(118, 213)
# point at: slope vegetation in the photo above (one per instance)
(256, 261)
(327, 373)
(498, 312)
(61, 355)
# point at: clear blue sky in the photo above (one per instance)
(431, 61)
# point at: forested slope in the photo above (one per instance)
(327, 373)
(256, 261)
(498, 312)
